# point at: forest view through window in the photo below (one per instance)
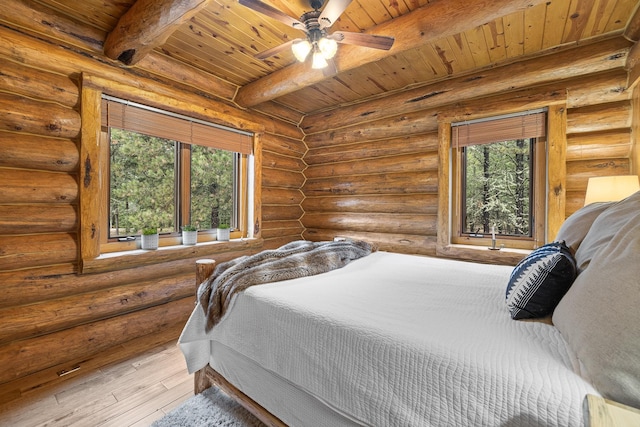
(499, 174)
(166, 170)
(148, 188)
(497, 188)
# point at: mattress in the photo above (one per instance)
(398, 340)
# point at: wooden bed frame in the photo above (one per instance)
(208, 377)
(598, 412)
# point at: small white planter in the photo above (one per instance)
(223, 234)
(149, 241)
(189, 237)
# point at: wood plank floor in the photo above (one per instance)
(131, 392)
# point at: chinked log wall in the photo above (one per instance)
(373, 166)
(54, 319)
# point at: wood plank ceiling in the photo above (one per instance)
(223, 38)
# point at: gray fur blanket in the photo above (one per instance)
(296, 259)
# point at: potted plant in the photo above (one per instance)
(223, 232)
(149, 238)
(189, 234)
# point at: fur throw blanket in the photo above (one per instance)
(296, 259)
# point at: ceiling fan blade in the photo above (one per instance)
(366, 40)
(332, 12)
(272, 12)
(275, 50)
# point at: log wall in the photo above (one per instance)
(282, 179)
(373, 166)
(53, 318)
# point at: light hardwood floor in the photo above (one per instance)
(135, 391)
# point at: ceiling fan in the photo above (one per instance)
(315, 25)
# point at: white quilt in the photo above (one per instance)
(400, 340)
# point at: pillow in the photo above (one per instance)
(577, 225)
(599, 316)
(539, 281)
(604, 227)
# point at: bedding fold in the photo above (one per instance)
(296, 259)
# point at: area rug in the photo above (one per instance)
(210, 408)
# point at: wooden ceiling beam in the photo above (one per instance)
(633, 66)
(32, 16)
(434, 21)
(147, 25)
(632, 33)
(583, 60)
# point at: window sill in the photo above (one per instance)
(482, 254)
(136, 258)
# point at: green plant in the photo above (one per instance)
(189, 227)
(149, 231)
(223, 226)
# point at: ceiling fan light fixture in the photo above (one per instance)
(318, 60)
(301, 49)
(316, 24)
(328, 47)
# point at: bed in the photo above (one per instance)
(404, 340)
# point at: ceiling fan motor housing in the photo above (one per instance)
(317, 4)
(313, 29)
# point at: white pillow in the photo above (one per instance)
(599, 316)
(577, 225)
(605, 226)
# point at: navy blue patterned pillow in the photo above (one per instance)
(538, 282)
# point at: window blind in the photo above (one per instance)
(150, 121)
(523, 125)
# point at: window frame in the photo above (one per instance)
(183, 173)
(537, 211)
(92, 180)
(555, 186)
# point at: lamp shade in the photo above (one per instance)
(318, 61)
(328, 47)
(301, 49)
(610, 188)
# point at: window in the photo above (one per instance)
(499, 180)
(166, 171)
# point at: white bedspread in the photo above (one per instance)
(399, 340)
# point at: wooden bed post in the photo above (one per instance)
(204, 268)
